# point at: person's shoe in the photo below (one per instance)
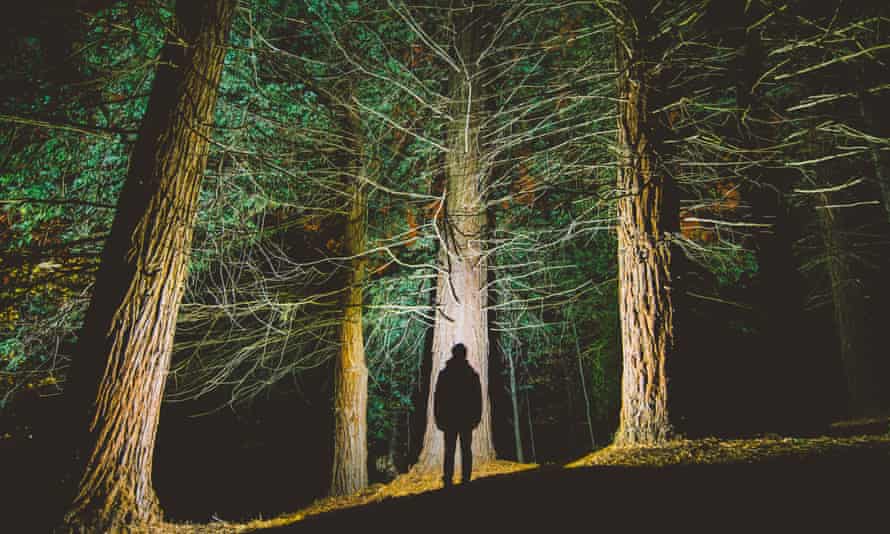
(446, 484)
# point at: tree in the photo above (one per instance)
(647, 214)
(779, 292)
(350, 470)
(125, 345)
(849, 302)
(461, 290)
(832, 87)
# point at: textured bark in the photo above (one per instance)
(646, 216)
(462, 296)
(848, 299)
(350, 469)
(124, 349)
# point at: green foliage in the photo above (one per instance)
(64, 160)
(312, 92)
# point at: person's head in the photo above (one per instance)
(459, 352)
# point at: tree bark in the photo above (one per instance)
(124, 348)
(647, 214)
(462, 295)
(350, 469)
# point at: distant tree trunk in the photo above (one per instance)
(531, 428)
(571, 414)
(350, 470)
(394, 454)
(849, 304)
(647, 213)
(514, 398)
(779, 293)
(124, 349)
(461, 316)
(584, 394)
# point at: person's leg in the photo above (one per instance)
(448, 468)
(466, 454)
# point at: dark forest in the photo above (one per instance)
(240, 240)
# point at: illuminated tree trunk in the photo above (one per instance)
(350, 470)
(646, 216)
(848, 299)
(124, 348)
(461, 291)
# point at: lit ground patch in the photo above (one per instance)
(714, 451)
(856, 427)
(410, 483)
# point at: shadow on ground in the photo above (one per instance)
(843, 491)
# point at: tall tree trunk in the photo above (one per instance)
(848, 299)
(462, 295)
(124, 349)
(647, 213)
(350, 470)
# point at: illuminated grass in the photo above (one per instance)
(411, 483)
(715, 451)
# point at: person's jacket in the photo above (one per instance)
(457, 403)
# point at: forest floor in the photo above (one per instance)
(764, 483)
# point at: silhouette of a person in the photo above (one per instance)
(457, 406)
